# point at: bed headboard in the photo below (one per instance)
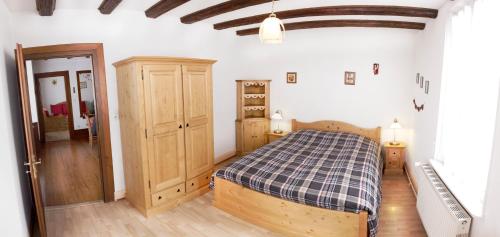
(337, 126)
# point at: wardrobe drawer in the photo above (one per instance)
(198, 182)
(168, 194)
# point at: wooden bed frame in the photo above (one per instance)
(290, 218)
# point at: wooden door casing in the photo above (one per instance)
(197, 86)
(164, 124)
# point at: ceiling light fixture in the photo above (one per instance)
(272, 30)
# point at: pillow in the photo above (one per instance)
(56, 109)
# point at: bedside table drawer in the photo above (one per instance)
(394, 153)
(392, 163)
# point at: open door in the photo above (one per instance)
(32, 161)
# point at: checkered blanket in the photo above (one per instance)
(332, 170)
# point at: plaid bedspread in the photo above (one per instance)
(333, 170)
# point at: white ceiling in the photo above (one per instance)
(194, 5)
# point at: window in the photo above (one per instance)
(469, 100)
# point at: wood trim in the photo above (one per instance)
(160, 59)
(337, 126)
(286, 217)
(108, 6)
(69, 104)
(341, 23)
(162, 7)
(334, 11)
(45, 7)
(100, 89)
(221, 8)
(79, 89)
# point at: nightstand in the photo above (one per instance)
(271, 136)
(394, 157)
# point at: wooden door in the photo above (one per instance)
(164, 125)
(32, 161)
(197, 81)
(248, 136)
(260, 128)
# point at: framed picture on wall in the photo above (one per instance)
(83, 85)
(427, 87)
(418, 78)
(421, 81)
(291, 77)
(350, 78)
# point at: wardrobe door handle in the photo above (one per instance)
(180, 126)
(178, 190)
(187, 125)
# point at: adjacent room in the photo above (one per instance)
(250, 118)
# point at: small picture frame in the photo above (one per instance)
(291, 77)
(418, 78)
(421, 81)
(376, 68)
(83, 85)
(427, 87)
(350, 78)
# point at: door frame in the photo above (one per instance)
(100, 89)
(69, 104)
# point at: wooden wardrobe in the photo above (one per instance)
(166, 123)
(252, 117)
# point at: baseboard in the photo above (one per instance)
(224, 157)
(412, 180)
(120, 194)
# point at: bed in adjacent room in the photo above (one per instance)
(323, 179)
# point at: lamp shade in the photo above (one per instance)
(277, 115)
(272, 30)
(396, 125)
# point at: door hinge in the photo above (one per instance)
(149, 183)
(146, 133)
(142, 74)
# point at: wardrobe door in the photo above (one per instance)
(197, 84)
(164, 123)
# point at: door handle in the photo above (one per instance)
(187, 125)
(39, 162)
(180, 126)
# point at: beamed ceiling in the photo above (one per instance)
(244, 16)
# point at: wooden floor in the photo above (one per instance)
(199, 218)
(70, 173)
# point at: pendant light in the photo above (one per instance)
(272, 30)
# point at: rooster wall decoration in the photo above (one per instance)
(418, 108)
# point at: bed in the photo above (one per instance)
(323, 179)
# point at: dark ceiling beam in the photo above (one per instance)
(45, 7)
(341, 23)
(334, 11)
(219, 9)
(163, 6)
(108, 6)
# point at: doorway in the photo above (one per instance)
(65, 112)
(54, 158)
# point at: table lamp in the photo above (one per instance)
(394, 126)
(278, 116)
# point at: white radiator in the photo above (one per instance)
(441, 214)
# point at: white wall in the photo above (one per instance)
(320, 57)
(72, 66)
(50, 93)
(129, 33)
(429, 56)
(14, 206)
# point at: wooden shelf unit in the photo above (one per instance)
(253, 115)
